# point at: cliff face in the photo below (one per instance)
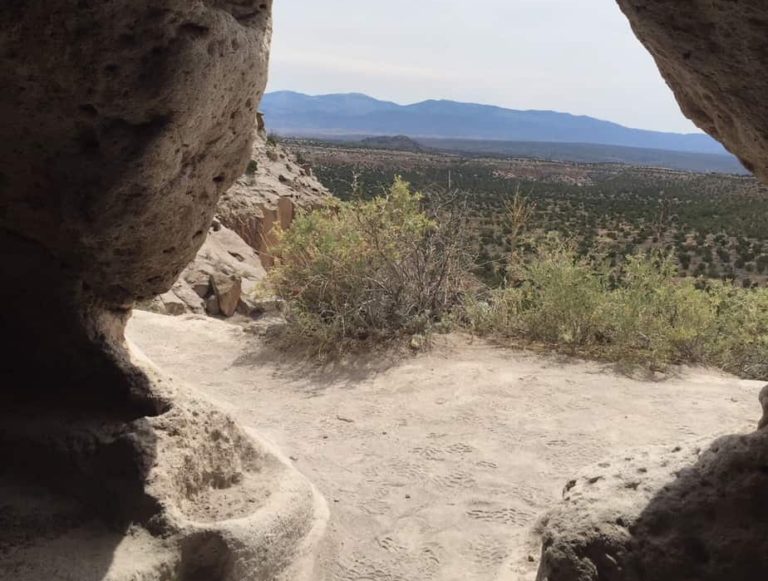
(273, 188)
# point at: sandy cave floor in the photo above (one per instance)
(437, 466)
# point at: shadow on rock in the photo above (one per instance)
(670, 515)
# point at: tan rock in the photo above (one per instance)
(684, 512)
(255, 306)
(227, 290)
(233, 508)
(226, 253)
(223, 253)
(123, 123)
(269, 196)
(172, 304)
(191, 300)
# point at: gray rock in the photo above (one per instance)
(256, 307)
(189, 297)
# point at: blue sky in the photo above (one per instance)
(577, 56)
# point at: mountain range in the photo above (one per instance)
(350, 114)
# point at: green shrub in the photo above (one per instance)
(370, 270)
(654, 318)
(389, 267)
(561, 297)
(556, 299)
(740, 341)
(641, 314)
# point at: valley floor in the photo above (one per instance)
(437, 466)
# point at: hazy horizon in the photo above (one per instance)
(551, 55)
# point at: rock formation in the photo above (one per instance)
(223, 255)
(122, 125)
(273, 188)
(686, 512)
(123, 122)
(712, 54)
(696, 511)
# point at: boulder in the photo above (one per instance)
(172, 304)
(255, 307)
(227, 291)
(685, 512)
(199, 282)
(191, 300)
(224, 254)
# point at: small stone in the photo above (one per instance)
(172, 304)
(212, 306)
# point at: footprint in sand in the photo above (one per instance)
(506, 515)
(460, 448)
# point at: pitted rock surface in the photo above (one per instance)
(123, 123)
(714, 56)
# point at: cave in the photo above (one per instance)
(123, 122)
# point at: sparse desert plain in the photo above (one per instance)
(437, 465)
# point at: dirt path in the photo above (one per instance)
(436, 466)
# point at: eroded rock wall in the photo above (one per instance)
(123, 122)
(714, 56)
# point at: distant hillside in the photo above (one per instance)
(594, 153)
(541, 150)
(398, 142)
(356, 114)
